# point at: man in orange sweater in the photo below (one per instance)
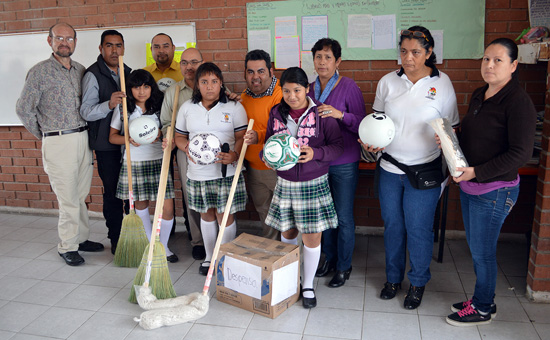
(262, 94)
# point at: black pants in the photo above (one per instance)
(108, 166)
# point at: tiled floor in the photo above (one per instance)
(42, 298)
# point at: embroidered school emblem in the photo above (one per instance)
(431, 93)
(225, 117)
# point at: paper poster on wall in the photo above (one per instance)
(259, 40)
(438, 45)
(314, 27)
(539, 13)
(287, 52)
(359, 30)
(306, 63)
(383, 32)
(285, 26)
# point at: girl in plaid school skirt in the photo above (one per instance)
(302, 201)
(144, 98)
(210, 111)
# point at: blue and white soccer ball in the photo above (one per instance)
(281, 152)
(204, 147)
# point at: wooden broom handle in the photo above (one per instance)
(126, 132)
(226, 213)
(166, 156)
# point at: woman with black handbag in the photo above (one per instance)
(409, 180)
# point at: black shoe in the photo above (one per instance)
(172, 258)
(90, 246)
(198, 252)
(461, 305)
(414, 297)
(469, 316)
(389, 290)
(72, 258)
(339, 278)
(203, 270)
(309, 302)
(325, 267)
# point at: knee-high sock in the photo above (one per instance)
(311, 261)
(165, 229)
(209, 235)
(146, 218)
(293, 241)
(230, 232)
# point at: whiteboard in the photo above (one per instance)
(20, 52)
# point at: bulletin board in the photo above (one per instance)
(20, 52)
(461, 24)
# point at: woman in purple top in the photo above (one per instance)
(342, 99)
(497, 139)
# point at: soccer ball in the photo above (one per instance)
(204, 147)
(281, 152)
(377, 130)
(143, 130)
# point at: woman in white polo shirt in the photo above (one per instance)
(411, 96)
(211, 111)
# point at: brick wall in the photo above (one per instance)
(538, 278)
(221, 36)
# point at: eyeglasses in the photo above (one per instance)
(69, 40)
(192, 62)
(417, 34)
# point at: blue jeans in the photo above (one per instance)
(408, 215)
(483, 216)
(338, 243)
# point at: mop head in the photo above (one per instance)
(132, 242)
(181, 309)
(160, 281)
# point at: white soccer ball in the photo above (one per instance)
(377, 130)
(143, 130)
(204, 147)
(281, 152)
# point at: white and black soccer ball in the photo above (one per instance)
(377, 129)
(204, 147)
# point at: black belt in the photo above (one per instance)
(65, 132)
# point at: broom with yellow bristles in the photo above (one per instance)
(153, 270)
(132, 240)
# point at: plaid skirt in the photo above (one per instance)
(307, 206)
(145, 181)
(203, 195)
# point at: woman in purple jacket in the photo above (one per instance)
(341, 99)
(301, 200)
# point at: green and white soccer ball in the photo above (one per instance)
(281, 152)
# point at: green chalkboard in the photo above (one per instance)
(461, 22)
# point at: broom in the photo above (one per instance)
(194, 306)
(153, 263)
(133, 239)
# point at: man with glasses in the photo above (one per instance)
(191, 59)
(165, 69)
(101, 93)
(49, 108)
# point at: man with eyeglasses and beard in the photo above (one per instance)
(49, 108)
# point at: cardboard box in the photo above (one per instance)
(258, 274)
